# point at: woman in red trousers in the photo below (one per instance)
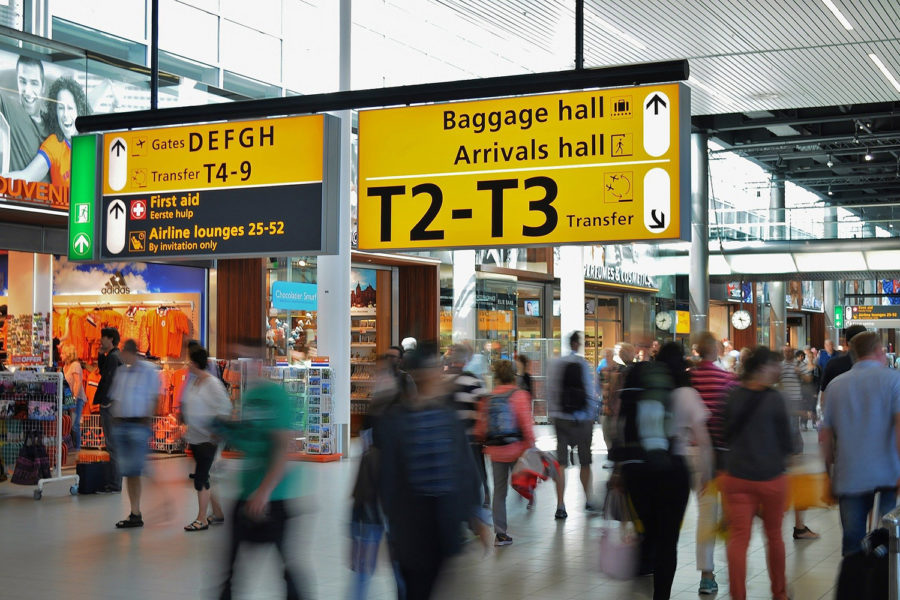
(758, 435)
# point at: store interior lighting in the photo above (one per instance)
(830, 162)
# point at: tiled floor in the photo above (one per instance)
(66, 547)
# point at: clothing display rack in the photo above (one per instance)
(31, 405)
(139, 304)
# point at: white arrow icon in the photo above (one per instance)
(118, 163)
(116, 215)
(656, 123)
(82, 243)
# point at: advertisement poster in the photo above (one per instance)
(740, 291)
(362, 291)
(39, 102)
(813, 296)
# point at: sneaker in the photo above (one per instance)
(708, 587)
(132, 521)
(805, 534)
(502, 539)
(590, 507)
(560, 514)
(531, 504)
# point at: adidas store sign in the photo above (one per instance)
(116, 285)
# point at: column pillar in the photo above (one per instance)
(778, 320)
(465, 314)
(571, 293)
(778, 231)
(698, 278)
(334, 271)
(833, 295)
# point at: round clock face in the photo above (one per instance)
(664, 320)
(741, 319)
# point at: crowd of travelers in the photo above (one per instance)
(722, 424)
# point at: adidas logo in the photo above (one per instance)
(116, 285)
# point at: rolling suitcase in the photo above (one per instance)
(94, 473)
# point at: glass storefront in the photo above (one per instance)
(602, 325)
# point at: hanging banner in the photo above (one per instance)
(575, 168)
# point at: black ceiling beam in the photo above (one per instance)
(750, 124)
(799, 154)
(467, 89)
(806, 140)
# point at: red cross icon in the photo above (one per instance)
(138, 209)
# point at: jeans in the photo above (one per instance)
(854, 512)
(480, 458)
(106, 421)
(742, 499)
(501, 472)
(76, 424)
(132, 443)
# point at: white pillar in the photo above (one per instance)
(778, 331)
(698, 278)
(334, 271)
(571, 293)
(465, 314)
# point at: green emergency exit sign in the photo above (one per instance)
(82, 220)
(839, 317)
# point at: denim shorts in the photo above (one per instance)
(132, 442)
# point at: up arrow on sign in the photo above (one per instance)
(82, 244)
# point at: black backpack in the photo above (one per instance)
(645, 415)
(573, 396)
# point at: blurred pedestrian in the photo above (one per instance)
(108, 362)
(505, 424)
(523, 377)
(427, 483)
(758, 436)
(573, 407)
(268, 486)
(661, 415)
(203, 400)
(134, 395)
(468, 395)
(861, 430)
(712, 383)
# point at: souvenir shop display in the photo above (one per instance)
(28, 339)
(159, 328)
(32, 430)
(320, 424)
(294, 382)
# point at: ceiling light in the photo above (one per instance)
(618, 33)
(868, 155)
(838, 15)
(830, 193)
(830, 162)
(884, 71)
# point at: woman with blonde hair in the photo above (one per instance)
(75, 378)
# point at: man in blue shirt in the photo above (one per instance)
(826, 354)
(861, 437)
(574, 426)
(135, 394)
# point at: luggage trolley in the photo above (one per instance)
(31, 407)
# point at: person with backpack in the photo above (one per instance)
(758, 436)
(660, 415)
(505, 426)
(573, 409)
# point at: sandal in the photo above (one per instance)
(133, 520)
(214, 520)
(197, 526)
(805, 534)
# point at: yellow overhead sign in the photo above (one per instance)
(582, 167)
(223, 155)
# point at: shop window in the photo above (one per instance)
(530, 311)
(291, 325)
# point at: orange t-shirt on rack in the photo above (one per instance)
(133, 329)
(179, 325)
(179, 378)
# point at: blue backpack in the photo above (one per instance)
(502, 425)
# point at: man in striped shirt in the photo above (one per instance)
(468, 392)
(712, 383)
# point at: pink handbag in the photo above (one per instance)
(619, 542)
